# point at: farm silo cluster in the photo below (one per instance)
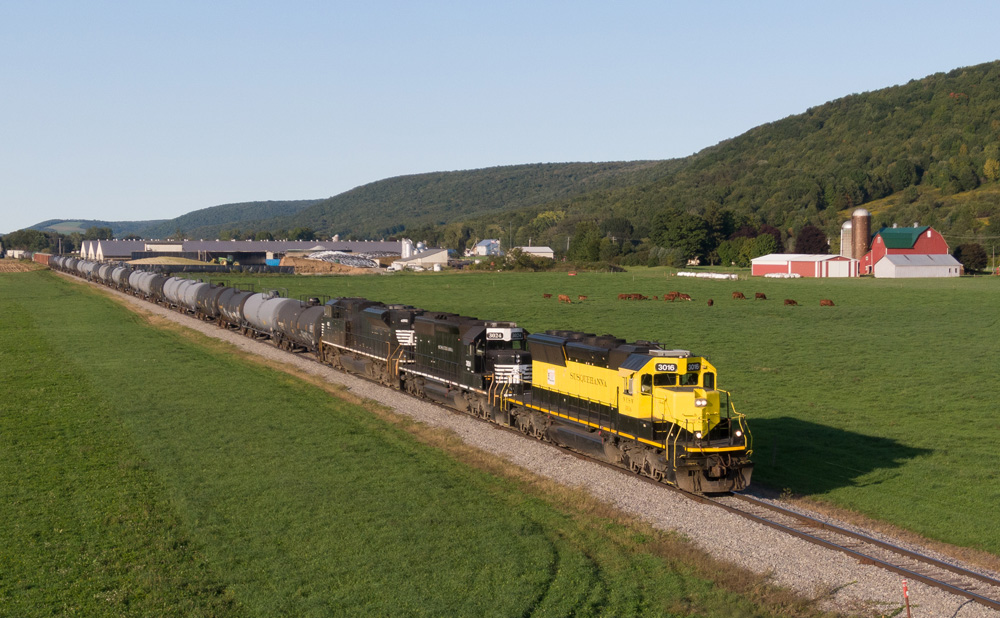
(893, 252)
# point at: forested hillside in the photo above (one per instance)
(211, 222)
(397, 204)
(926, 151)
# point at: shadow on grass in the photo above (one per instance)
(810, 458)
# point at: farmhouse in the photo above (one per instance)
(490, 246)
(918, 251)
(804, 265)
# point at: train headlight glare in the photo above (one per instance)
(739, 434)
(700, 402)
(697, 434)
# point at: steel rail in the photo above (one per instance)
(860, 556)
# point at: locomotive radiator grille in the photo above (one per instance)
(406, 338)
(512, 374)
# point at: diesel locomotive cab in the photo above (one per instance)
(707, 440)
(505, 354)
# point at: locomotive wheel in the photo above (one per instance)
(634, 466)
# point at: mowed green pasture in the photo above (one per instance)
(885, 403)
(145, 474)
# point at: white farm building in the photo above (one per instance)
(901, 266)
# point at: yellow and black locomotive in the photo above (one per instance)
(656, 411)
(653, 410)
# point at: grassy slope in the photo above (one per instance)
(145, 475)
(884, 403)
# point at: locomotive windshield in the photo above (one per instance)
(517, 344)
(692, 378)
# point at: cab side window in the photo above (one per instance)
(709, 381)
(646, 385)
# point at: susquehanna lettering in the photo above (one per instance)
(588, 379)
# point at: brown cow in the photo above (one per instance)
(739, 296)
(759, 296)
(826, 303)
(684, 297)
(710, 302)
(581, 297)
(622, 296)
(671, 296)
(789, 301)
(565, 299)
(546, 296)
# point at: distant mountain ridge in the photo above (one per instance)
(70, 226)
(202, 223)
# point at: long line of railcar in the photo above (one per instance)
(639, 405)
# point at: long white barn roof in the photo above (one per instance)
(921, 259)
(783, 258)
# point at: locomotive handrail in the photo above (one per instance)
(739, 419)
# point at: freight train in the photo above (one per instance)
(638, 405)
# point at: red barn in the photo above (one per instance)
(911, 242)
(804, 265)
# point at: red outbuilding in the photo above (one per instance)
(804, 265)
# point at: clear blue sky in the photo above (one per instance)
(143, 110)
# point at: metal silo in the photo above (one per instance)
(846, 240)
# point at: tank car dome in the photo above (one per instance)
(847, 225)
(861, 212)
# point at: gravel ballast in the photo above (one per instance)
(813, 571)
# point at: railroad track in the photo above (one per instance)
(867, 550)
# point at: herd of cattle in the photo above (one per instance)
(672, 296)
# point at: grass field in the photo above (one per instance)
(884, 403)
(149, 473)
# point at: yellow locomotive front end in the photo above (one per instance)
(707, 445)
(653, 410)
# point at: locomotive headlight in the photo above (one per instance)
(700, 402)
(739, 434)
(697, 434)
